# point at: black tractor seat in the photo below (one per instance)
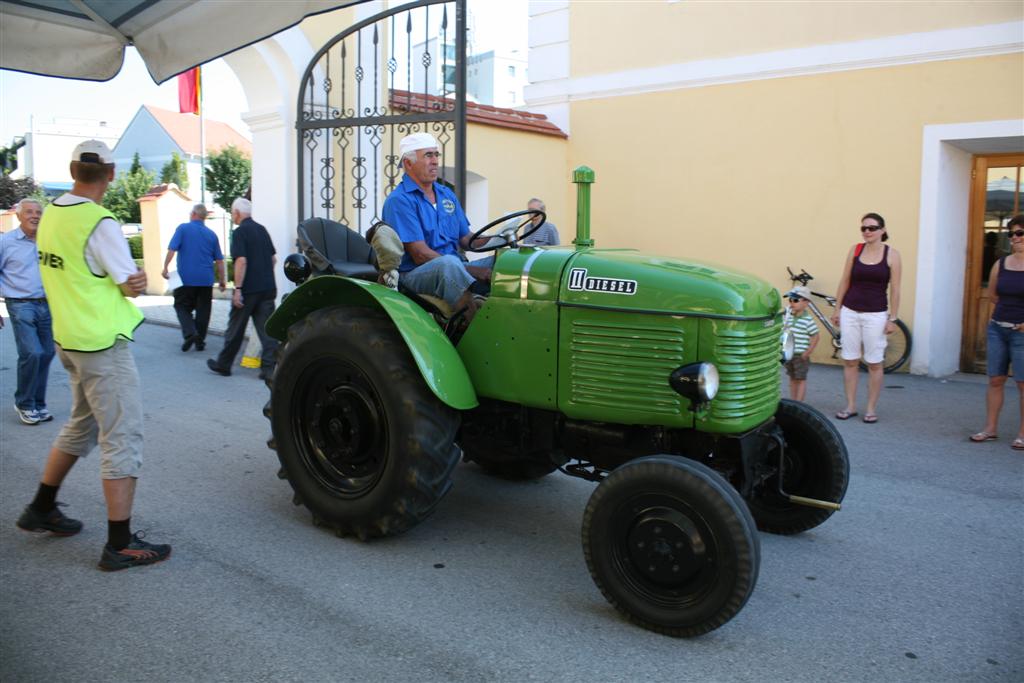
(336, 249)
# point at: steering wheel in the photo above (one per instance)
(507, 236)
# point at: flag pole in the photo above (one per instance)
(202, 138)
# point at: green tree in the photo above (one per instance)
(228, 174)
(13, 191)
(122, 197)
(9, 156)
(175, 171)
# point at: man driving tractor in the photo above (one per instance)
(432, 226)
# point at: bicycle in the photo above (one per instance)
(897, 350)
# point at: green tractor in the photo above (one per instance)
(656, 377)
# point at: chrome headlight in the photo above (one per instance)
(696, 381)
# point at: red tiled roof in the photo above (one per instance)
(184, 130)
(403, 100)
(158, 191)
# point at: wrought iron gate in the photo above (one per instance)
(352, 111)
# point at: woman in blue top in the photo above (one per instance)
(1006, 333)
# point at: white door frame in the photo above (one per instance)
(946, 161)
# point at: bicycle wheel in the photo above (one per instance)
(897, 349)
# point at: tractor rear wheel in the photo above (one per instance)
(364, 443)
(816, 466)
(671, 545)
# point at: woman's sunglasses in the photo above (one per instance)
(1017, 233)
(870, 228)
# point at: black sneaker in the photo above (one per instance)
(212, 364)
(200, 345)
(135, 554)
(54, 521)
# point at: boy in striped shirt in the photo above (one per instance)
(805, 337)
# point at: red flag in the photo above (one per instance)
(188, 91)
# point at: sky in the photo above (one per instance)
(497, 23)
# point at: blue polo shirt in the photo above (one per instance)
(19, 267)
(197, 248)
(415, 219)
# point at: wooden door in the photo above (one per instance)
(995, 199)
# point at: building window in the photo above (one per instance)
(511, 70)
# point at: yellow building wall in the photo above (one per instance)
(764, 174)
(320, 28)
(161, 215)
(612, 36)
(519, 165)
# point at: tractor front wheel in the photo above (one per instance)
(815, 465)
(364, 443)
(671, 545)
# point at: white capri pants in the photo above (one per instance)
(863, 335)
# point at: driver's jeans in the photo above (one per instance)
(445, 277)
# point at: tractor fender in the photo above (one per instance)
(436, 358)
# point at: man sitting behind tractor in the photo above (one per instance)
(432, 226)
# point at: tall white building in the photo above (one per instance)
(497, 78)
(439, 73)
(494, 78)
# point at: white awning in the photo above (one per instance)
(85, 39)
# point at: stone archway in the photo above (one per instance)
(269, 73)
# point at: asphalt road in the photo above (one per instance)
(918, 578)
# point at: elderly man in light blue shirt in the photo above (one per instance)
(22, 289)
(432, 226)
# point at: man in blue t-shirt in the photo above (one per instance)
(198, 251)
(432, 226)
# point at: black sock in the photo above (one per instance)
(119, 533)
(45, 500)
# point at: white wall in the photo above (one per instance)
(549, 59)
(48, 148)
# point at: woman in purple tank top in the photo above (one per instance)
(866, 306)
(1005, 333)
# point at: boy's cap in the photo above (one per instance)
(93, 152)
(801, 292)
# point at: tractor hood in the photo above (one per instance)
(627, 279)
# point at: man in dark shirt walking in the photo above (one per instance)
(255, 290)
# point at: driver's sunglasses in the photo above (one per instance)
(796, 299)
(1018, 233)
(870, 228)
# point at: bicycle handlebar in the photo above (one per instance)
(803, 277)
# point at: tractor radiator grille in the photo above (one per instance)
(747, 356)
(625, 367)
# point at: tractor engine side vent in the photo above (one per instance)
(747, 356)
(626, 365)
